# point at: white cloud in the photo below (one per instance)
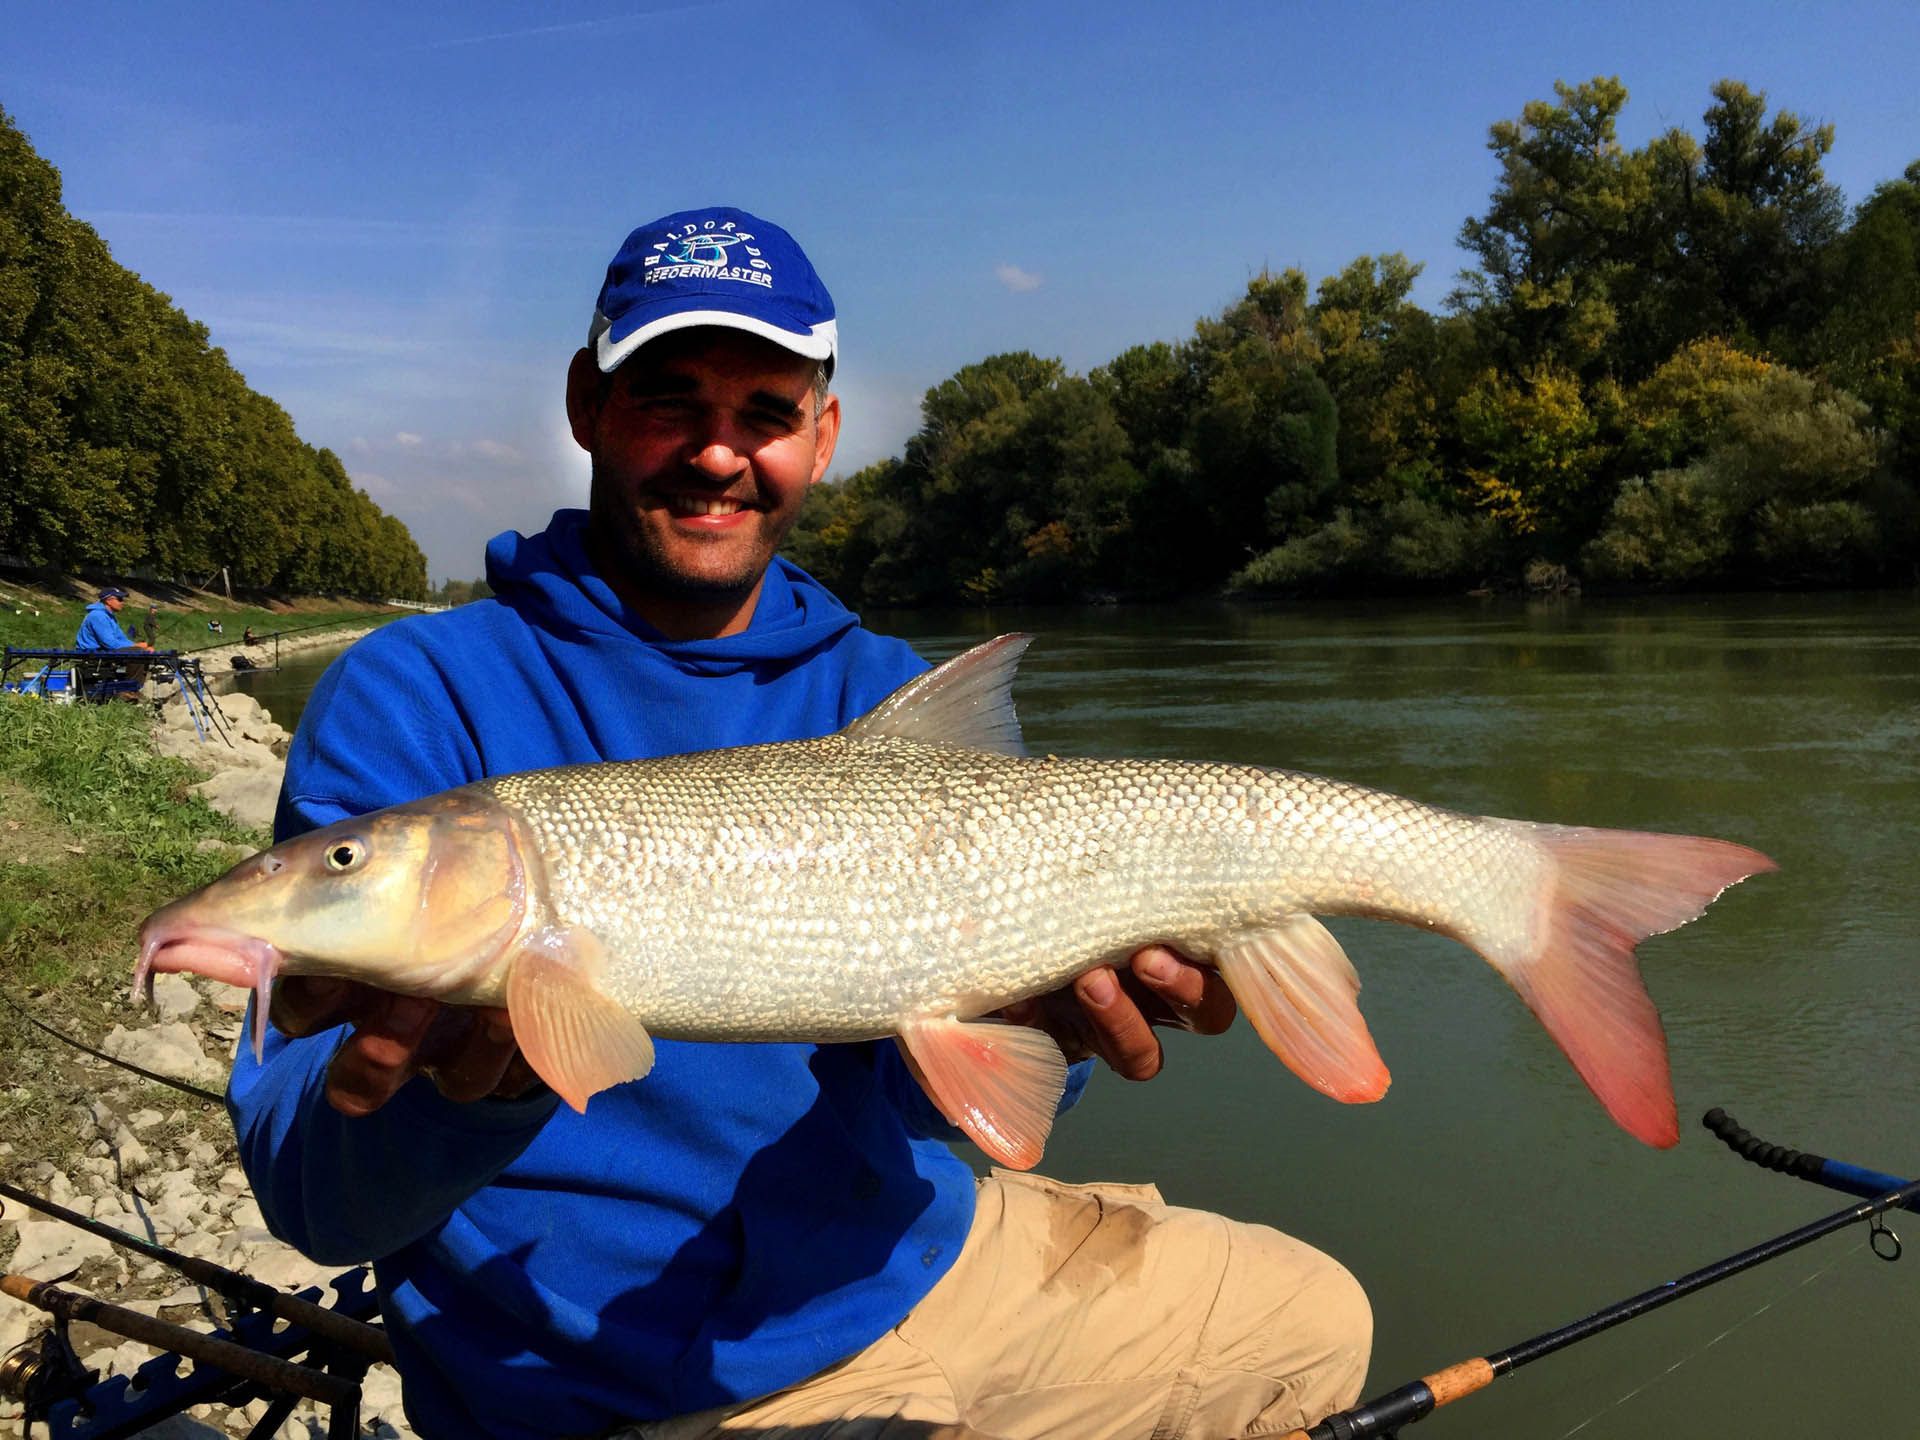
(407, 440)
(1015, 279)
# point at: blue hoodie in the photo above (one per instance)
(740, 1219)
(99, 630)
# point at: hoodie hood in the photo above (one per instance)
(551, 579)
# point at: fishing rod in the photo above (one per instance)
(342, 1330)
(340, 1394)
(1384, 1415)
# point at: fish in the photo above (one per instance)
(917, 872)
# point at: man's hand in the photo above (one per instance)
(467, 1051)
(1112, 1014)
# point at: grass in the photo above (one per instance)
(96, 830)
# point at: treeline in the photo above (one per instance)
(458, 592)
(129, 444)
(1683, 364)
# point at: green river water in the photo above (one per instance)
(1488, 1197)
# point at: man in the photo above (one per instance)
(100, 626)
(100, 630)
(765, 1239)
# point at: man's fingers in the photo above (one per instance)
(381, 1054)
(1121, 1034)
(1195, 996)
(470, 1054)
(307, 1004)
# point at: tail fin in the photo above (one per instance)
(1609, 890)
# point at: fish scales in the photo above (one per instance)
(868, 879)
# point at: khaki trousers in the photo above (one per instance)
(1094, 1311)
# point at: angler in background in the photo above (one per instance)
(757, 1238)
(100, 630)
(100, 625)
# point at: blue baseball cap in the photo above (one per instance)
(718, 266)
(113, 592)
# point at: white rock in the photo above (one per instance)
(171, 1050)
(174, 997)
(18, 1320)
(53, 1249)
(123, 1359)
(234, 1181)
(249, 795)
(380, 1395)
(286, 1267)
(144, 1119)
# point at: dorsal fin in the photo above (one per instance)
(968, 701)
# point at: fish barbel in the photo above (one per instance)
(917, 872)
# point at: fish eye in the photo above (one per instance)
(344, 855)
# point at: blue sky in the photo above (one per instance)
(394, 218)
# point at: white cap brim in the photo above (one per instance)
(820, 343)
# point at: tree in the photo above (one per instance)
(1556, 238)
(127, 440)
(1531, 456)
(1379, 356)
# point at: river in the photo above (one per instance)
(1488, 1197)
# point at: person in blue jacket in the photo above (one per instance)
(99, 629)
(770, 1238)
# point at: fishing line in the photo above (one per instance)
(1766, 1306)
(140, 1070)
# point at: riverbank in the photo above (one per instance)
(106, 812)
(42, 612)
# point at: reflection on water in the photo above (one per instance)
(1488, 1197)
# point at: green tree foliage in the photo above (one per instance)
(1782, 492)
(1674, 364)
(1381, 360)
(1558, 238)
(1869, 340)
(1530, 451)
(128, 442)
(1604, 259)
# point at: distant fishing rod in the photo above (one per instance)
(1384, 1415)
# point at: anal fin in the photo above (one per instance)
(1297, 986)
(575, 1038)
(999, 1083)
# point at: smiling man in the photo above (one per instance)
(769, 1239)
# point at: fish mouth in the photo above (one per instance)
(180, 946)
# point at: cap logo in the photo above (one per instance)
(704, 252)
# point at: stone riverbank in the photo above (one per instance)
(157, 1164)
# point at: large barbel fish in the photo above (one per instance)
(916, 872)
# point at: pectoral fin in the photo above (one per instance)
(574, 1037)
(999, 1083)
(1298, 987)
